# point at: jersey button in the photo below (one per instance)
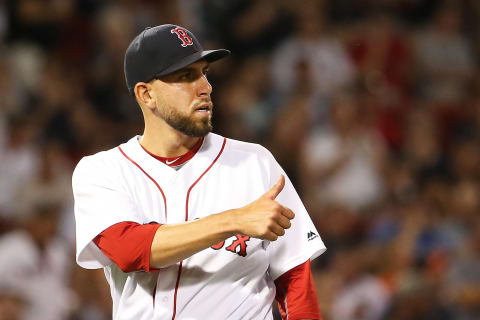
(165, 299)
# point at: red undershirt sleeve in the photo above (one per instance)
(296, 294)
(128, 245)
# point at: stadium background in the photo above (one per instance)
(371, 106)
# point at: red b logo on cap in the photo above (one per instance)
(183, 36)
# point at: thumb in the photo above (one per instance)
(276, 189)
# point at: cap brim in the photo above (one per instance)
(208, 55)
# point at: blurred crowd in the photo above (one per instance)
(371, 106)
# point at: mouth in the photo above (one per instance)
(205, 107)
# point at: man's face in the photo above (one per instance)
(183, 99)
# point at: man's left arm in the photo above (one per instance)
(296, 294)
(291, 254)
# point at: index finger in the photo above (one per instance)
(286, 212)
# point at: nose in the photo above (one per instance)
(204, 88)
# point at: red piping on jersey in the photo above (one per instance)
(191, 187)
(176, 290)
(154, 293)
(186, 219)
(164, 201)
(153, 180)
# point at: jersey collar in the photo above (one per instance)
(179, 160)
(208, 150)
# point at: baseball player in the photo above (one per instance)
(188, 224)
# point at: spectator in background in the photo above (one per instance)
(19, 161)
(381, 50)
(313, 48)
(36, 263)
(465, 158)
(246, 102)
(444, 57)
(411, 266)
(343, 162)
(41, 21)
(12, 306)
(105, 83)
(289, 130)
(463, 276)
(422, 147)
(93, 301)
(50, 181)
(252, 27)
(362, 296)
(24, 65)
(7, 93)
(460, 221)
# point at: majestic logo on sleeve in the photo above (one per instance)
(311, 235)
(183, 36)
(238, 246)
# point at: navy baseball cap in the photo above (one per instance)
(162, 50)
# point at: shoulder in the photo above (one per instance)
(97, 162)
(247, 149)
(101, 164)
(251, 159)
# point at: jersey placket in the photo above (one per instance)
(165, 299)
(178, 187)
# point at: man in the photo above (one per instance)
(188, 224)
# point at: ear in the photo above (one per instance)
(142, 92)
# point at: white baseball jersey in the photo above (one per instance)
(232, 280)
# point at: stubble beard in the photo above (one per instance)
(185, 124)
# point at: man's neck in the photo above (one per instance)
(167, 142)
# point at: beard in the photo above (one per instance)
(187, 125)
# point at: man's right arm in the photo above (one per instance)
(264, 218)
(126, 243)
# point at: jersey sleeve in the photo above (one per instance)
(296, 294)
(302, 241)
(128, 245)
(100, 202)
